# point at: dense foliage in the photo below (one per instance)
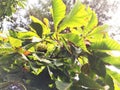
(75, 53)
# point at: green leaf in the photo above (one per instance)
(97, 65)
(62, 85)
(15, 42)
(109, 81)
(76, 40)
(28, 46)
(98, 32)
(78, 16)
(37, 71)
(59, 10)
(115, 61)
(13, 33)
(105, 45)
(6, 50)
(28, 34)
(8, 59)
(86, 83)
(38, 28)
(115, 76)
(45, 29)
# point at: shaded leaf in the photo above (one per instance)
(13, 33)
(38, 28)
(109, 81)
(85, 68)
(97, 65)
(86, 83)
(8, 59)
(28, 46)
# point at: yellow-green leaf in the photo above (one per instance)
(15, 42)
(78, 16)
(59, 10)
(93, 21)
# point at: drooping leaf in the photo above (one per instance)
(115, 76)
(78, 16)
(59, 10)
(109, 81)
(97, 65)
(62, 85)
(15, 42)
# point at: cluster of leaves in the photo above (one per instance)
(75, 53)
(9, 6)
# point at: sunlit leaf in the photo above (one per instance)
(37, 71)
(99, 30)
(105, 44)
(59, 10)
(93, 21)
(28, 34)
(115, 61)
(109, 81)
(15, 42)
(6, 50)
(78, 16)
